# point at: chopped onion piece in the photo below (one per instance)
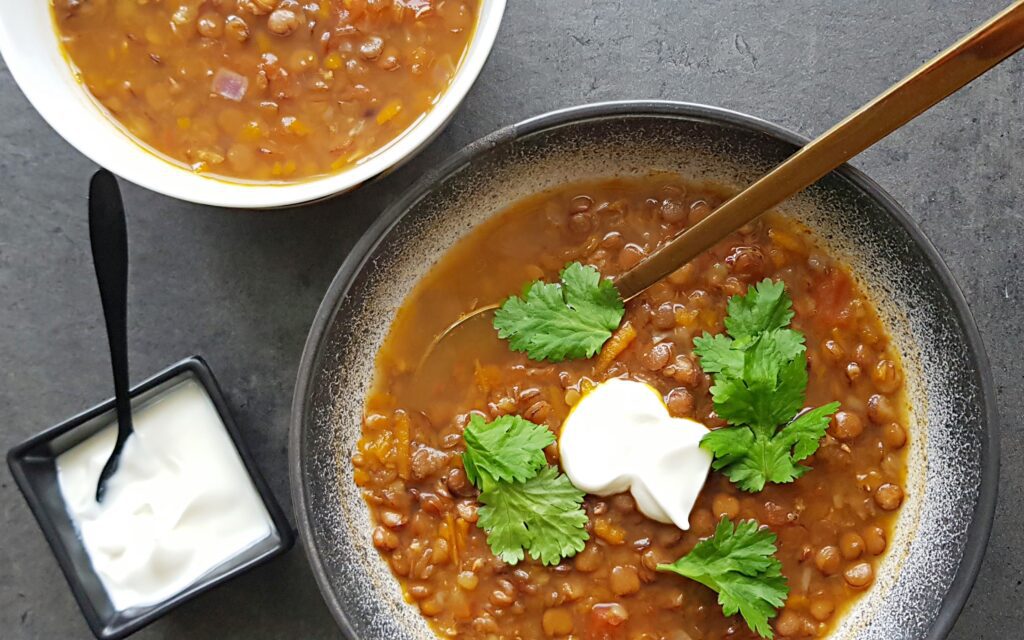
(230, 85)
(420, 8)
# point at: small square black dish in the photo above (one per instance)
(33, 465)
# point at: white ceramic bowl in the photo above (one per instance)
(29, 44)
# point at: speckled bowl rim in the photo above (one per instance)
(978, 530)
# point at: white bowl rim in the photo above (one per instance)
(225, 193)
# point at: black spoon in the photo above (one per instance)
(108, 235)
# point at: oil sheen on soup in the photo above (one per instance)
(833, 525)
(266, 90)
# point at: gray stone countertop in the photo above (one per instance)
(242, 288)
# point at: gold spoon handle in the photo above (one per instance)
(973, 55)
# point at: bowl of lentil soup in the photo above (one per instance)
(248, 103)
(881, 539)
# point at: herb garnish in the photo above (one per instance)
(560, 321)
(739, 564)
(542, 515)
(509, 448)
(527, 505)
(760, 383)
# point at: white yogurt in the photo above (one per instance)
(620, 437)
(179, 505)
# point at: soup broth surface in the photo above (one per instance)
(833, 524)
(266, 90)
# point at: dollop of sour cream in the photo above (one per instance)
(180, 504)
(620, 437)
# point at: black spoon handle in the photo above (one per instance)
(108, 235)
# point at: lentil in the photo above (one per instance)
(859, 575)
(894, 436)
(846, 425)
(624, 580)
(874, 540)
(889, 496)
(557, 622)
(725, 505)
(822, 608)
(827, 560)
(851, 545)
(680, 403)
(657, 356)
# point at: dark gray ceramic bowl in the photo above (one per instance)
(951, 490)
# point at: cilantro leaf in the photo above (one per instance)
(752, 460)
(559, 321)
(760, 384)
(509, 448)
(806, 431)
(739, 564)
(541, 515)
(771, 383)
(717, 354)
(765, 307)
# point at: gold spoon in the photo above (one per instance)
(973, 55)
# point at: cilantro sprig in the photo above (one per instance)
(527, 505)
(555, 322)
(760, 384)
(739, 564)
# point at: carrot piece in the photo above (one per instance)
(486, 377)
(403, 447)
(609, 531)
(621, 339)
(453, 537)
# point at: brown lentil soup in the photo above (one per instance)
(834, 524)
(266, 90)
